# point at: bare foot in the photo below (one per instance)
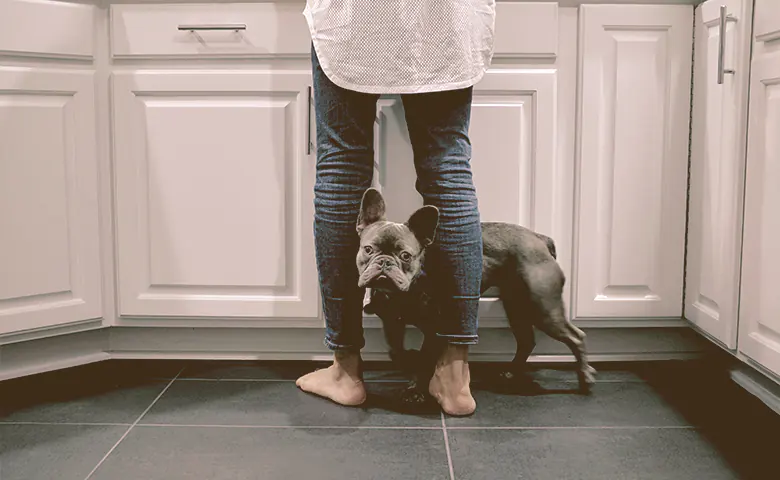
(450, 382)
(341, 382)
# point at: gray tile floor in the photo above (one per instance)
(247, 420)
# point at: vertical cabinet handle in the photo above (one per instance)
(722, 71)
(308, 121)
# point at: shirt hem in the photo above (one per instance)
(384, 90)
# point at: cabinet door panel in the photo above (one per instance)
(759, 326)
(635, 87)
(514, 161)
(49, 240)
(717, 171)
(214, 194)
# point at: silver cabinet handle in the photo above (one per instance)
(234, 27)
(722, 44)
(308, 122)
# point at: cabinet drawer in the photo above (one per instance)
(263, 29)
(45, 28)
(767, 27)
(526, 30)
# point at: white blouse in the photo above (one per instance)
(402, 46)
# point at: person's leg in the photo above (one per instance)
(438, 128)
(345, 166)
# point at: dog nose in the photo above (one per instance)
(384, 262)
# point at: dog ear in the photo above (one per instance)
(423, 224)
(372, 209)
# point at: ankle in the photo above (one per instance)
(349, 363)
(454, 353)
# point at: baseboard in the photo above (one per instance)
(496, 345)
(765, 389)
(53, 353)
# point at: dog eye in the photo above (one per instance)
(368, 249)
(406, 256)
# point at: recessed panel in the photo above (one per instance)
(632, 229)
(34, 243)
(769, 244)
(501, 161)
(217, 180)
(501, 157)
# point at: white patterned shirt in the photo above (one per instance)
(402, 46)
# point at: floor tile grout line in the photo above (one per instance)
(288, 427)
(447, 447)
(111, 450)
(584, 427)
(69, 424)
(359, 427)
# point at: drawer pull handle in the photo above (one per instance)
(226, 27)
(724, 17)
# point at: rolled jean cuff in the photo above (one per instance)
(459, 320)
(336, 347)
(459, 339)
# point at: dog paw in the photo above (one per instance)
(413, 395)
(587, 378)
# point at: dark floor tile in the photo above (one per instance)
(62, 452)
(77, 397)
(284, 370)
(248, 370)
(281, 404)
(610, 404)
(166, 369)
(704, 394)
(171, 453)
(491, 372)
(585, 454)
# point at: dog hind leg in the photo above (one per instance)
(559, 328)
(519, 313)
(546, 285)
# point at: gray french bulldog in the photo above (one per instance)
(519, 262)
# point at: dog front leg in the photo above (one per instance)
(395, 332)
(431, 349)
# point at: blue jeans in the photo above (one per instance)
(438, 128)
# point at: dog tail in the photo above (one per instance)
(550, 244)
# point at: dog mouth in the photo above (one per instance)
(378, 277)
(382, 282)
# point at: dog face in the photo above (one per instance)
(391, 254)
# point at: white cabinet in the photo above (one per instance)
(513, 134)
(49, 240)
(717, 171)
(214, 191)
(47, 29)
(633, 157)
(759, 315)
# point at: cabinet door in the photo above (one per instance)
(214, 187)
(717, 172)
(633, 160)
(516, 170)
(49, 240)
(759, 313)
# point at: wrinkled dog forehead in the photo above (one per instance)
(388, 234)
